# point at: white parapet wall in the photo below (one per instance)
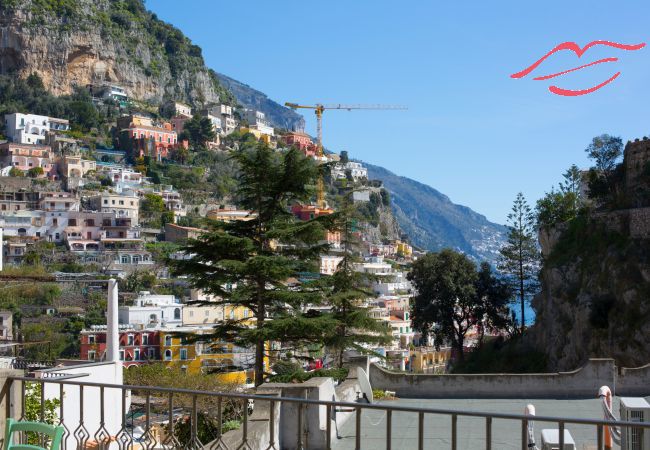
(107, 372)
(583, 382)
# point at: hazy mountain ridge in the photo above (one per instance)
(432, 221)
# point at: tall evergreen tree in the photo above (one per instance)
(247, 263)
(346, 292)
(446, 305)
(519, 257)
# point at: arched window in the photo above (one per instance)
(168, 355)
(177, 313)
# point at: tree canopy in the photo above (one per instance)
(247, 263)
(452, 297)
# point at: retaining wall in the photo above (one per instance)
(634, 381)
(583, 382)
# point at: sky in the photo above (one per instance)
(470, 130)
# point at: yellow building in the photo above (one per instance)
(404, 248)
(179, 349)
(429, 360)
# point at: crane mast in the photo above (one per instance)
(319, 109)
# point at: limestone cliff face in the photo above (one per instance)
(77, 42)
(595, 297)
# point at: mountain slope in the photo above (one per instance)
(71, 43)
(248, 97)
(433, 222)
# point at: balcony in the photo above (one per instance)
(285, 416)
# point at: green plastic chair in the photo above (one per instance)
(55, 434)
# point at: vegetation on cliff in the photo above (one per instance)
(595, 276)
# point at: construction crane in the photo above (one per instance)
(319, 109)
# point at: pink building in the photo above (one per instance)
(27, 156)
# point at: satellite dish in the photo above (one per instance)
(364, 384)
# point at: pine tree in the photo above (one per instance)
(519, 256)
(247, 263)
(347, 291)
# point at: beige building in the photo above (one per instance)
(124, 205)
(75, 166)
(230, 214)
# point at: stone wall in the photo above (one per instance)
(634, 381)
(581, 383)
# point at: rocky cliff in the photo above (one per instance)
(595, 296)
(78, 42)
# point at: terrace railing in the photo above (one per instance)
(171, 418)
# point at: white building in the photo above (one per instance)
(32, 128)
(257, 121)
(329, 264)
(225, 114)
(390, 281)
(152, 310)
(357, 171)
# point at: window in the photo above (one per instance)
(56, 236)
(183, 354)
(121, 202)
(121, 355)
(153, 318)
(191, 313)
(91, 339)
(91, 355)
(168, 340)
(136, 354)
(152, 353)
(106, 201)
(168, 355)
(145, 339)
(112, 202)
(177, 313)
(232, 314)
(129, 339)
(55, 222)
(72, 222)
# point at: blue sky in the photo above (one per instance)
(470, 131)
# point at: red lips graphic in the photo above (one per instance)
(579, 52)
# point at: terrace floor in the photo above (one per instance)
(506, 434)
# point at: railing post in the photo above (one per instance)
(524, 434)
(357, 439)
(488, 433)
(599, 436)
(421, 431)
(389, 429)
(561, 431)
(454, 431)
(299, 446)
(328, 427)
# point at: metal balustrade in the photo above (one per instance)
(189, 404)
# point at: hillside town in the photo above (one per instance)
(188, 262)
(92, 207)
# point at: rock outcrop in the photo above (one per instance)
(71, 43)
(595, 296)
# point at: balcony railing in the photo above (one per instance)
(170, 418)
